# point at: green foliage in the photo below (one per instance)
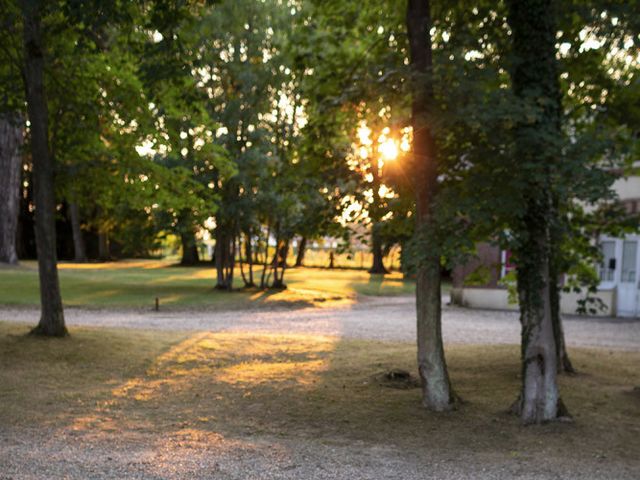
(248, 111)
(481, 276)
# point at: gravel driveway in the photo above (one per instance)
(43, 453)
(185, 455)
(377, 318)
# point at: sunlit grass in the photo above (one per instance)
(214, 386)
(136, 283)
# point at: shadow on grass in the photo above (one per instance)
(228, 387)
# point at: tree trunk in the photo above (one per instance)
(302, 247)
(104, 255)
(224, 253)
(564, 363)
(189, 249)
(377, 265)
(52, 316)
(539, 400)
(283, 254)
(535, 82)
(11, 140)
(265, 263)
(79, 250)
(436, 387)
(248, 249)
(278, 279)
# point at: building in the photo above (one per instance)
(477, 283)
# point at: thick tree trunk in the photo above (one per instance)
(436, 386)
(79, 250)
(539, 400)
(52, 316)
(189, 249)
(302, 247)
(377, 266)
(11, 140)
(535, 82)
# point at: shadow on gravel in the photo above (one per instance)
(225, 390)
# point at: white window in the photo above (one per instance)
(608, 265)
(629, 257)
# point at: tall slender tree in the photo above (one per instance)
(436, 386)
(52, 316)
(11, 140)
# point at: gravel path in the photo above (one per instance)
(47, 453)
(193, 455)
(377, 318)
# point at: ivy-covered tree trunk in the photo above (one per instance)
(437, 393)
(302, 247)
(539, 400)
(537, 137)
(189, 249)
(79, 250)
(52, 316)
(11, 140)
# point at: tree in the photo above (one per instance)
(436, 386)
(52, 316)
(11, 140)
(535, 82)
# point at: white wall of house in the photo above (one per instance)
(619, 288)
(498, 299)
(627, 188)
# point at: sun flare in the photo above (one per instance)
(388, 149)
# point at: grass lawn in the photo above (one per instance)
(136, 283)
(105, 382)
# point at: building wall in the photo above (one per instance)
(498, 299)
(489, 257)
(491, 296)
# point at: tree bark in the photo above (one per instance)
(281, 261)
(437, 393)
(79, 250)
(302, 247)
(52, 316)
(11, 141)
(539, 400)
(564, 362)
(265, 262)
(248, 249)
(535, 82)
(377, 265)
(224, 252)
(189, 249)
(104, 255)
